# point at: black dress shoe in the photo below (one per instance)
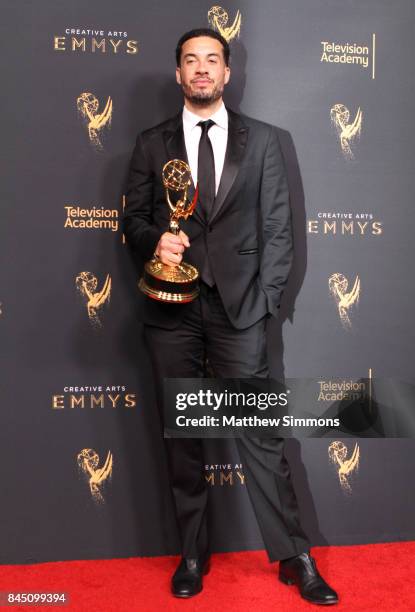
(188, 577)
(302, 571)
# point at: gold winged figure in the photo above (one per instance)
(87, 283)
(338, 453)
(88, 461)
(88, 106)
(218, 18)
(347, 132)
(338, 285)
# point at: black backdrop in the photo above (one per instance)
(77, 393)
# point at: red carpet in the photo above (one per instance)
(372, 577)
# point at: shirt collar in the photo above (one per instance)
(220, 117)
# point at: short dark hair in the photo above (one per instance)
(203, 32)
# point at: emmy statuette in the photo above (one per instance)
(173, 284)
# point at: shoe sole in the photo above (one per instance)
(286, 580)
(322, 602)
(205, 572)
(187, 596)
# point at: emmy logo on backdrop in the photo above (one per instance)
(347, 132)
(174, 284)
(337, 455)
(338, 285)
(218, 18)
(88, 105)
(88, 461)
(86, 283)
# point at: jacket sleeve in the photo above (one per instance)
(141, 235)
(277, 252)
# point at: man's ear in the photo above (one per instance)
(227, 75)
(178, 76)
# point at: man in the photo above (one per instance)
(239, 238)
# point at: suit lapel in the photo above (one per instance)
(176, 149)
(235, 149)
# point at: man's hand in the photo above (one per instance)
(170, 248)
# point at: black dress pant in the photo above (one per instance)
(206, 332)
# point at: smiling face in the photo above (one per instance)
(202, 72)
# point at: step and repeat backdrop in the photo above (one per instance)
(83, 470)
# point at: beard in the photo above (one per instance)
(202, 98)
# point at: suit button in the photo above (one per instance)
(210, 228)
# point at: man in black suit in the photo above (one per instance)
(239, 238)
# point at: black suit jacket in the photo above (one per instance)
(248, 237)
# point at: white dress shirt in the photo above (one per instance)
(218, 136)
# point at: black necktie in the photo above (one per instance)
(206, 182)
(206, 169)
